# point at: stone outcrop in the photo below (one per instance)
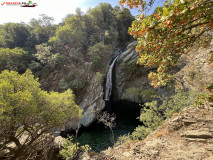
(189, 135)
(189, 74)
(193, 67)
(122, 81)
(131, 78)
(92, 104)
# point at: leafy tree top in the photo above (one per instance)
(30, 113)
(22, 100)
(169, 32)
(12, 59)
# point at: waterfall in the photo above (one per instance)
(108, 87)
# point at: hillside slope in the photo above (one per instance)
(189, 135)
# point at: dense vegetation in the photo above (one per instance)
(62, 57)
(69, 52)
(28, 114)
(153, 114)
(171, 31)
(65, 57)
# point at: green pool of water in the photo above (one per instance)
(98, 137)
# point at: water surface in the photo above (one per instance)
(98, 136)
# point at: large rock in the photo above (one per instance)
(92, 104)
(131, 79)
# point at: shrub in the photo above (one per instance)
(205, 98)
(177, 102)
(75, 84)
(210, 60)
(131, 92)
(78, 84)
(123, 139)
(148, 94)
(141, 132)
(97, 63)
(99, 77)
(71, 150)
(35, 66)
(28, 115)
(98, 49)
(153, 115)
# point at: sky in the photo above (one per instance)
(56, 9)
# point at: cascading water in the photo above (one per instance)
(96, 135)
(108, 87)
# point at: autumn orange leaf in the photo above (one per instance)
(182, 21)
(211, 25)
(172, 35)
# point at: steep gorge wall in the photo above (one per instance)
(131, 79)
(92, 99)
(193, 71)
(187, 135)
(92, 104)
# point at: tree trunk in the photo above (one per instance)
(113, 136)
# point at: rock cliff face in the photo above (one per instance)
(189, 135)
(92, 104)
(124, 67)
(195, 71)
(131, 79)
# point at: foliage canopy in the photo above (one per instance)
(169, 32)
(71, 150)
(12, 59)
(28, 114)
(71, 51)
(153, 115)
